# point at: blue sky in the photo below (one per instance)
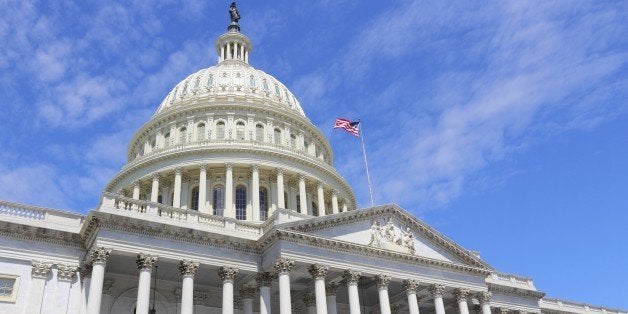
(502, 124)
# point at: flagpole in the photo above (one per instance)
(366, 164)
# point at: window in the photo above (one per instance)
(259, 133)
(200, 132)
(197, 82)
(182, 135)
(278, 136)
(240, 131)
(240, 202)
(265, 84)
(8, 288)
(210, 81)
(276, 89)
(219, 201)
(285, 200)
(314, 209)
(306, 145)
(153, 143)
(252, 81)
(263, 204)
(167, 140)
(194, 198)
(293, 140)
(220, 130)
(185, 89)
(298, 203)
(160, 199)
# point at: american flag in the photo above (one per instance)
(348, 125)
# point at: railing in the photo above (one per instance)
(168, 214)
(575, 307)
(38, 215)
(513, 280)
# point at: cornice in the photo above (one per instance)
(37, 234)
(516, 291)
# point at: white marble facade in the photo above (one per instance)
(230, 203)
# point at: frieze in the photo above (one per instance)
(386, 237)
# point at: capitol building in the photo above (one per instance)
(230, 203)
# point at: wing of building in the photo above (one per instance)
(230, 203)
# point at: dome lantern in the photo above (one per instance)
(233, 45)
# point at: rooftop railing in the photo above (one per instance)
(40, 216)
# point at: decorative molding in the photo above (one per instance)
(515, 291)
(227, 273)
(410, 286)
(264, 279)
(351, 277)
(283, 265)
(318, 271)
(37, 234)
(145, 261)
(188, 268)
(40, 269)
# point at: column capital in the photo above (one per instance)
(331, 288)
(301, 177)
(136, 183)
(382, 281)
(437, 290)
(85, 271)
(145, 261)
(484, 297)
(229, 165)
(156, 176)
(283, 265)
(279, 171)
(309, 299)
(334, 192)
(461, 294)
(40, 269)
(264, 279)
(227, 273)
(255, 167)
(66, 272)
(178, 170)
(98, 254)
(247, 292)
(188, 268)
(318, 271)
(394, 308)
(320, 184)
(202, 167)
(410, 286)
(351, 276)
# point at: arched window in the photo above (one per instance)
(285, 200)
(293, 141)
(240, 202)
(167, 140)
(298, 203)
(259, 133)
(219, 201)
(263, 204)
(200, 132)
(252, 81)
(314, 209)
(194, 198)
(278, 136)
(220, 130)
(240, 130)
(306, 145)
(210, 81)
(182, 135)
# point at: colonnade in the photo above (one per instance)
(320, 301)
(234, 50)
(323, 193)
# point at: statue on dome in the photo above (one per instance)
(235, 15)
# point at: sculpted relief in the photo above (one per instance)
(386, 237)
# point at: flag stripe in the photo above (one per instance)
(348, 125)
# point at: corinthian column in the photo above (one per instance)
(255, 192)
(411, 287)
(229, 210)
(263, 282)
(281, 203)
(334, 202)
(319, 272)
(154, 192)
(485, 302)
(202, 190)
(283, 266)
(331, 289)
(382, 282)
(176, 199)
(136, 190)
(227, 276)
(188, 270)
(321, 199)
(461, 298)
(302, 194)
(309, 299)
(98, 257)
(437, 292)
(247, 293)
(39, 274)
(145, 264)
(351, 277)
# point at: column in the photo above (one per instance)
(247, 294)
(263, 282)
(331, 289)
(344, 207)
(309, 299)
(411, 287)
(145, 264)
(202, 189)
(222, 53)
(352, 277)
(485, 302)
(302, 194)
(382, 282)
(281, 202)
(334, 202)
(321, 199)
(98, 257)
(255, 192)
(136, 190)
(319, 272)
(65, 277)
(85, 276)
(437, 293)
(229, 212)
(176, 199)
(39, 274)
(154, 192)
(227, 276)
(188, 270)
(461, 297)
(283, 267)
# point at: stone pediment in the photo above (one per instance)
(391, 228)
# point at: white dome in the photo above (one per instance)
(231, 78)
